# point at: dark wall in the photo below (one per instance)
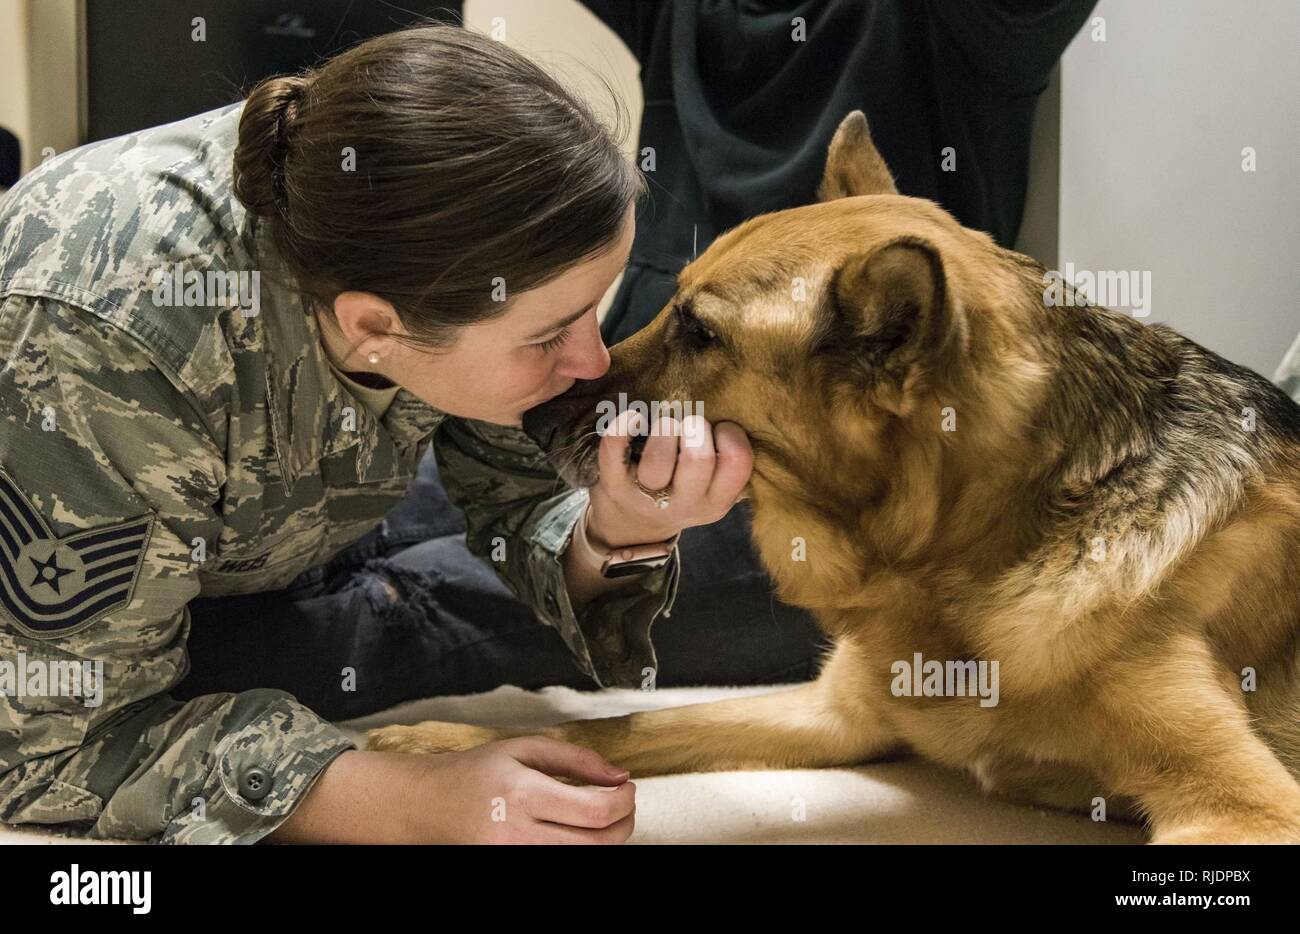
(143, 67)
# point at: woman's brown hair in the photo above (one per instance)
(471, 163)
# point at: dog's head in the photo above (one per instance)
(830, 333)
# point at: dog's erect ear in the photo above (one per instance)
(893, 309)
(853, 164)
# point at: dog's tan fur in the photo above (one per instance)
(1105, 521)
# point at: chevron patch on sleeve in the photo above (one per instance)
(52, 586)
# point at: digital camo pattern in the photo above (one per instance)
(93, 435)
(76, 579)
(216, 420)
(511, 495)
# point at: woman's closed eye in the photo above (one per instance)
(555, 342)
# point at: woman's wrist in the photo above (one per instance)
(608, 537)
(362, 796)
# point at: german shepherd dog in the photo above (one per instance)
(948, 463)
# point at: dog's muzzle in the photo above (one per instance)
(549, 424)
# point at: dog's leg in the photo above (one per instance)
(826, 722)
(823, 723)
(1185, 749)
(1242, 794)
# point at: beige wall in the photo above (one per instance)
(55, 78)
(570, 42)
(1155, 119)
(15, 109)
(39, 75)
(563, 36)
(38, 61)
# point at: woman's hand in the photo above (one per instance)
(504, 791)
(703, 467)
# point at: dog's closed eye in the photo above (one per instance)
(695, 333)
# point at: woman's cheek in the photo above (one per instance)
(534, 378)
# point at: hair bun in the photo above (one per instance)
(265, 128)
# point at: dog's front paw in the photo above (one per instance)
(430, 737)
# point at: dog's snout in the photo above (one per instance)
(544, 423)
(540, 424)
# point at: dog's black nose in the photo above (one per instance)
(544, 423)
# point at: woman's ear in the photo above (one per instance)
(853, 164)
(894, 304)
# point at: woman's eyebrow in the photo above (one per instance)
(576, 315)
(555, 326)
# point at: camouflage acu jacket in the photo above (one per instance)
(169, 428)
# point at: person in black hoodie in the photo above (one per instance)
(10, 160)
(742, 98)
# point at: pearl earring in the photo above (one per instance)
(374, 357)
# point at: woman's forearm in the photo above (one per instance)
(584, 580)
(360, 797)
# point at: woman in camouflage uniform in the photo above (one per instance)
(232, 347)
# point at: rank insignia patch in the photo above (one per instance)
(51, 586)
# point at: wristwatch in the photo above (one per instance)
(627, 560)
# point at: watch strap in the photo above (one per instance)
(625, 560)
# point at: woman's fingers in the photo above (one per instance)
(617, 832)
(659, 457)
(556, 757)
(612, 455)
(704, 466)
(734, 462)
(606, 800)
(590, 806)
(695, 461)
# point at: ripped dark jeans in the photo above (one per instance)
(414, 614)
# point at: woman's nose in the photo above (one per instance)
(586, 356)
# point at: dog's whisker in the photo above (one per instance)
(566, 454)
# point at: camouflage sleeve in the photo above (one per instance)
(520, 518)
(1288, 372)
(109, 479)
